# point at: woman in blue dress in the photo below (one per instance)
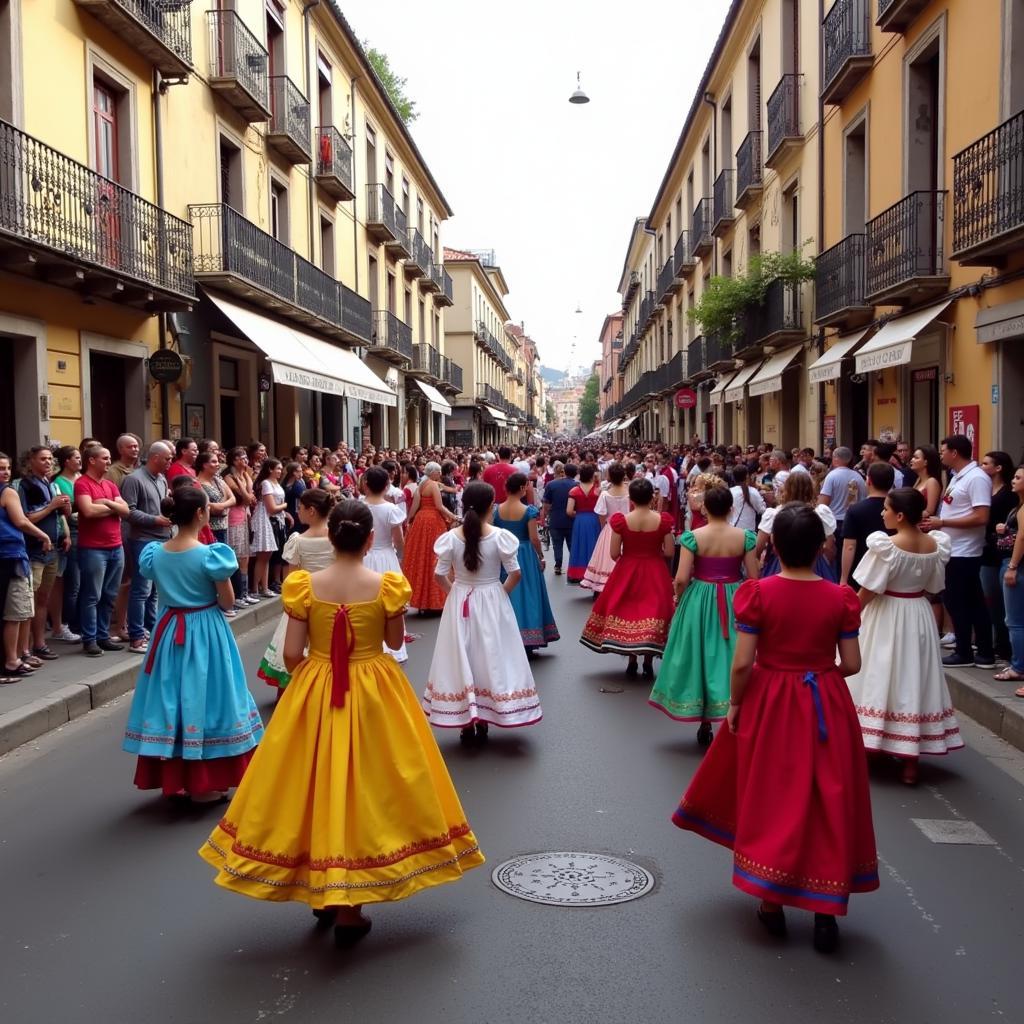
(529, 599)
(193, 723)
(586, 527)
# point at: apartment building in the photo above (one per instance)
(606, 368)
(234, 187)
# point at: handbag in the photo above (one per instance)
(1005, 541)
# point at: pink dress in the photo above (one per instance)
(601, 564)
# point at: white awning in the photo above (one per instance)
(769, 377)
(610, 426)
(302, 360)
(893, 344)
(735, 387)
(828, 365)
(718, 391)
(435, 398)
(627, 422)
(498, 417)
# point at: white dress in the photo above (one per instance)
(479, 672)
(263, 538)
(900, 693)
(382, 556)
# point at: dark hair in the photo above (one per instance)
(586, 472)
(641, 491)
(959, 444)
(739, 478)
(931, 460)
(515, 483)
(205, 444)
(571, 469)
(255, 447)
(477, 499)
(267, 466)
(298, 448)
(64, 452)
(476, 467)
(391, 468)
(881, 476)
(717, 500)
(348, 526)
(203, 458)
(319, 500)
(616, 473)
(504, 452)
(448, 467)
(1004, 464)
(377, 479)
(183, 501)
(798, 487)
(182, 444)
(411, 471)
(886, 450)
(797, 535)
(703, 464)
(909, 502)
(630, 470)
(236, 453)
(289, 468)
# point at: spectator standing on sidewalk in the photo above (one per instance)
(842, 487)
(144, 491)
(127, 447)
(64, 595)
(100, 552)
(185, 453)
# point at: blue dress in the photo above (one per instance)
(586, 528)
(191, 702)
(530, 598)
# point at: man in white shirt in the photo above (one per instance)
(660, 482)
(963, 514)
(778, 463)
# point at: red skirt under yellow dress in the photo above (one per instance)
(788, 793)
(419, 560)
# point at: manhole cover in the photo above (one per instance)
(572, 879)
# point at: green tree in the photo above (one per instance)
(549, 413)
(394, 85)
(589, 404)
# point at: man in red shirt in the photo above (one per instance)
(497, 475)
(100, 553)
(185, 453)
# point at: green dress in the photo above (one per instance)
(693, 682)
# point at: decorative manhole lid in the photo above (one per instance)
(573, 879)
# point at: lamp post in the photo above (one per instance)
(579, 96)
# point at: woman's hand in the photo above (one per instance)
(732, 719)
(1010, 577)
(288, 519)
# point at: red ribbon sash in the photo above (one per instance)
(343, 642)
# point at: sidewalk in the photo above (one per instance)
(74, 684)
(991, 704)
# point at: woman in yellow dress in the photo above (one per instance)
(347, 800)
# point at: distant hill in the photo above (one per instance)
(551, 376)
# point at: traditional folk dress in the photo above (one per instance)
(822, 566)
(529, 599)
(382, 556)
(479, 672)
(192, 721)
(693, 681)
(312, 554)
(419, 559)
(586, 528)
(601, 564)
(900, 693)
(788, 793)
(632, 614)
(348, 800)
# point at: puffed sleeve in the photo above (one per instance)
(935, 581)
(508, 548)
(601, 508)
(532, 512)
(746, 607)
(395, 592)
(688, 541)
(765, 526)
(297, 595)
(849, 627)
(618, 523)
(444, 551)
(147, 558)
(291, 550)
(827, 517)
(873, 571)
(220, 562)
(667, 524)
(397, 514)
(749, 540)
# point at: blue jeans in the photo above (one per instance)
(992, 588)
(101, 570)
(141, 596)
(69, 611)
(558, 539)
(1013, 600)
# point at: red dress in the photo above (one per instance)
(633, 612)
(788, 793)
(419, 560)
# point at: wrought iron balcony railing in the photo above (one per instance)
(427, 360)
(717, 350)
(490, 395)
(288, 131)
(238, 65)
(682, 259)
(779, 317)
(988, 195)
(65, 214)
(896, 15)
(677, 370)
(334, 163)
(839, 283)
(695, 357)
(783, 110)
(724, 214)
(700, 229)
(665, 278)
(391, 336)
(381, 213)
(161, 30)
(846, 35)
(445, 294)
(905, 255)
(419, 262)
(651, 306)
(452, 375)
(749, 173)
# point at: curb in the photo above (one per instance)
(980, 699)
(41, 716)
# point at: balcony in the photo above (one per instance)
(666, 283)
(701, 241)
(490, 396)
(334, 163)
(433, 280)
(392, 339)
(417, 265)
(846, 36)
(235, 255)
(717, 353)
(451, 376)
(724, 215)
(896, 15)
(749, 173)
(381, 214)
(988, 196)
(400, 247)
(905, 258)
(650, 304)
(695, 368)
(160, 30)
(426, 363)
(777, 321)
(288, 131)
(682, 260)
(66, 224)
(839, 285)
(631, 289)
(443, 293)
(784, 134)
(238, 66)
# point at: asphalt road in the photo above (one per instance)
(107, 914)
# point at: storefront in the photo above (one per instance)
(777, 384)
(847, 402)
(735, 403)
(1002, 328)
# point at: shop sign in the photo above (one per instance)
(686, 398)
(830, 431)
(963, 419)
(264, 381)
(894, 355)
(927, 374)
(165, 366)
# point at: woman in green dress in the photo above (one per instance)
(693, 682)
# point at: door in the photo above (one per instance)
(924, 405)
(8, 425)
(107, 216)
(108, 387)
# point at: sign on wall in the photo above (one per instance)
(829, 430)
(964, 419)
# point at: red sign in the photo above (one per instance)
(963, 419)
(686, 398)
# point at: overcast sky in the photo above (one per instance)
(552, 187)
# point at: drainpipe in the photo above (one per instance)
(821, 216)
(709, 99)
(158, 141)
(318, 401)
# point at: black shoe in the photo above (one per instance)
(631, 670)
(109, 645)
(92, 650)
(467, 735)
(826, 933)
(481, 731)
(705, 735)
(347, 935)
(980, 660)
(325, 918)
(955, 661)
(774, 922)
(648, 670)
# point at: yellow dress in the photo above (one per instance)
(344, 805)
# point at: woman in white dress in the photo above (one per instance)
(385, 551)
(268, 524)
(798, 487)
(479, 674)
(900, 693)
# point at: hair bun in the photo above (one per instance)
(167, 505)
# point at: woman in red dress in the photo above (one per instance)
(632, 614)
(429, 519)
(786, 786)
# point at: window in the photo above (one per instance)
(923, 117)
(705, 168)
(327, 245)
(855, 179)
(279, 210)
(679, 213)
(275, 37)
(111, 136)
(230, 161)
(373, 281)
(727, 264)
(754, 87)
(1013, 48)
(791, 218)
(419, 215)
(104, 110)
(371, 156)
(389, 172)
(437, 244)
(725, 143)
(753, 241)
(324, 80)
(11, 75)
(405, 197)
(423, 322)
(391, 292)
(437, 331)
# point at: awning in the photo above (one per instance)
(718, 391)
(495, 415)
(894, 343)
(302, 360)
(734, 389)
(435, 398)
(610, 426)
(828, 365)
(769, 377)
(627, 422)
